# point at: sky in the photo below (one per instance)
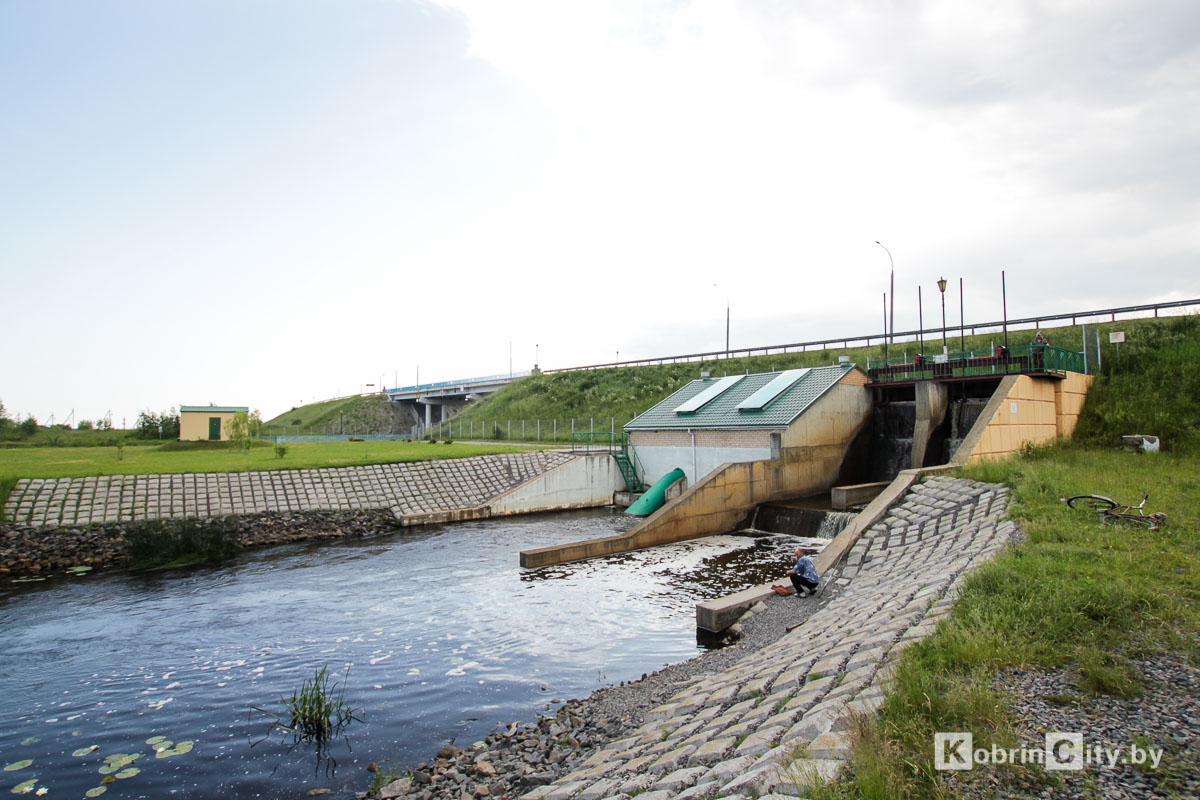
(270, 202)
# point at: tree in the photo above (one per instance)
(237, 431)
(149, 424)
(84, 425)
(29, 426)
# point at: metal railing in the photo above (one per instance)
(561, 429)
(976, 363)
(295, 438)
(866, 340)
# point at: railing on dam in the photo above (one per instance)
(975, 363)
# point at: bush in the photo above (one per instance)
(174, 543)
(280, 449)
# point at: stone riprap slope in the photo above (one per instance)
(419, 487)
(737, 732)
(778, 716)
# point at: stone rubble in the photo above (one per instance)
(775, 718)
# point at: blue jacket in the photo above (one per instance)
(806, 569)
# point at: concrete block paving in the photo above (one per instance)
(412, 488)
(779, 718)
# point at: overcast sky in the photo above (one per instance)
(267, 202)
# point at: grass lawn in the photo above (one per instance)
(76, 462)
(1076, 594)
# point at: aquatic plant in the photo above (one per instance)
(316, 713)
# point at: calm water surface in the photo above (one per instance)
(443, 634)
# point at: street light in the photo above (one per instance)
(942, 289)
(892, 294)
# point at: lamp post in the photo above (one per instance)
(942, 289)
(891, 294)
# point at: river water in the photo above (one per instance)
(442, 633)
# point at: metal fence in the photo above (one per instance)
(524, 430)
(976, 363)
(292, 438)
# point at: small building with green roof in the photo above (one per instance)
(205, 423)
(714, 421)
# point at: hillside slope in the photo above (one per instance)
(367, 414)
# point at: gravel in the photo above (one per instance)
(1166, 716)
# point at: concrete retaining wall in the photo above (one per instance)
(585, 482)
(1024, 409)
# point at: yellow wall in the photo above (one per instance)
(193, 425)
(1035, 410)
(835, 418)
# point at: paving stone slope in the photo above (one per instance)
(739, 732)
(410, 488)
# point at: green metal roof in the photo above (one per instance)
(215, 409)
(722, 412)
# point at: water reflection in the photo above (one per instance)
(443, 634)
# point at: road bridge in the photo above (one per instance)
(447, 397)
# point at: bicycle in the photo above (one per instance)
(1113, 512)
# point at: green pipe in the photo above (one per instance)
(655, 496)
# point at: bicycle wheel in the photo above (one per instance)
(1094, 502)
(1130, 520)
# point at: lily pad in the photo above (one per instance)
(96, 791)
(107, 780)
(128, 773)
(83, 751)
(24, 788)
(163, 744)
(156, 739)
(30, 740)
(16, 765)
(27, 580)
(179, 749)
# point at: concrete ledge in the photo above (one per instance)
(717, 615)
(842, 497)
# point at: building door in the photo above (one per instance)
(214, 429)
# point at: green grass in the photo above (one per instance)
(1076, 595)
(1152, 389)
(181, 457)
(315, 416)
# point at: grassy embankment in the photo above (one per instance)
(182, 457)
(619, 393)
(1075, 595)
(317, 417)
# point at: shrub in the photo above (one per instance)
(280, 449)
(174, 543)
